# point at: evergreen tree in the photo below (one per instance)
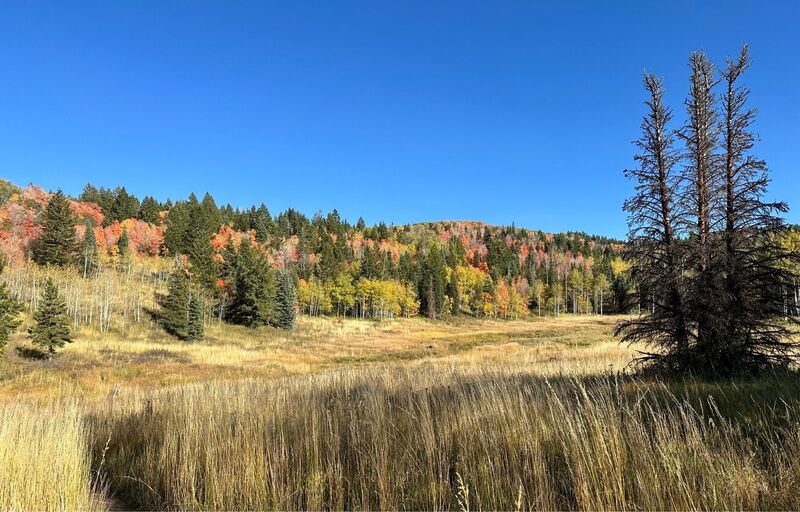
(57, 245)
(285, 301)
(194, 327)
(51, 330)
(253, 287)
(432, 283)
(382, 232)
(175, 305)
(454, 293)
(10, 308)
(149, 211)
(370, 263)
(90, 194)
(89, 258)
(189, 227)
(102, 197)
(456, 252)
(331, 255)
(124, 244)
(177, 225)
(125, 206)
(260, 221)
(203, 223)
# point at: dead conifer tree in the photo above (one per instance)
(653, 218)
(755, 270)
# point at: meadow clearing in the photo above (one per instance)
(404, 414)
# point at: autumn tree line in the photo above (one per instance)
(211, 263)
(714, 261)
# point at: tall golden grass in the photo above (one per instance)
(449, 437)
(411, 414)
(44, 459)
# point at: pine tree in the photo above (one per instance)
(203, 223)
(754, 259)
(124, 244)
(653, 217)
(103, 197)
(722, 315)
(194, 328)
(454, 293)
(285, 301)
(51, 330)
(260, 221)
(10, 309)
(89, 258)
(175, 305)
(456, 252)
(149, 211)
(125, 205)
(177, 224)
(371, 263)
(57, 246)
(253, 286)
(702, 200)
(90, 194)
(432, 283)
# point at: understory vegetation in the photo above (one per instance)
(446, 438)
(445, 434)
(45, 458)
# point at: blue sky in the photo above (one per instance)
(398, 111)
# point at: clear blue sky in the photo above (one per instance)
(397, 111)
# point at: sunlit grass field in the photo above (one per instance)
(408, 414)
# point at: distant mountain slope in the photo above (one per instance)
(480, 263)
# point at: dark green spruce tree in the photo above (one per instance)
(454, 293)
(125, 205)
(149, 211)
(89, 258)
(285, 301)
(175, 304)
(194, 327)
(253, 288)
(205, 220)
(124, 245)
(10, 308)
(433, 279)
(51, 329)
(57, 245)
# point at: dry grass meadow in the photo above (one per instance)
(408, 414)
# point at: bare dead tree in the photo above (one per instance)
(724, 313)
(701, 198)
(755, 261)
(653, 219)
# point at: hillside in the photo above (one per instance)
(376, 271)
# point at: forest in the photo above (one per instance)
(321, 265)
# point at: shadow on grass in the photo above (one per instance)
(32, 353)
